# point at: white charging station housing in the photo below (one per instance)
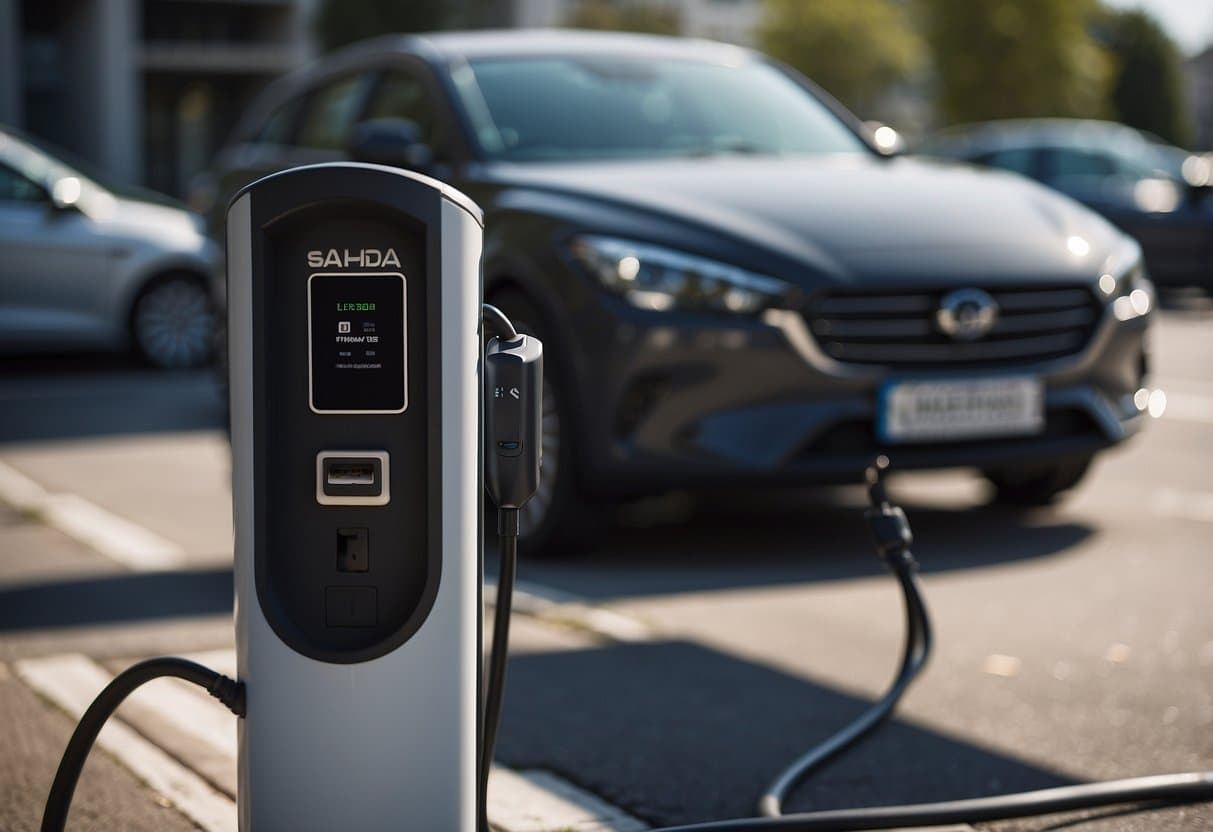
(354, 296)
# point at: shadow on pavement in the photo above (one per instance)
(44, 398)
(1193, 302)
(793, 539)
(678, 733)
(116, 598)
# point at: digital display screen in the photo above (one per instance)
(357, 351)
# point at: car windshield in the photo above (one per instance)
(567, 108)
(44, 163)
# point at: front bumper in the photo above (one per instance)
(673, 401)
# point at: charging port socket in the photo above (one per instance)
(352, 478)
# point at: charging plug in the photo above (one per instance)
(513, 371)
(888, 523)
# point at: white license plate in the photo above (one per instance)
(917, 411)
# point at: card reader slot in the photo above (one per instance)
(349, 473)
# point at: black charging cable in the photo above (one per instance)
(507, 534)
(498, 319)
(512, 440)
(59, 801)
(893, 538)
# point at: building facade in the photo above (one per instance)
(144, 90)
(1198, 77)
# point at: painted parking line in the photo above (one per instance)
(1182, 505)
(539, 801)
(117, 538)
(1189, 407)
(142, 550)
(555, 606)
(519, 801)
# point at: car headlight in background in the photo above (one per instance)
(1125, 285)
(661, 279)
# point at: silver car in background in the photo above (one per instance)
(88, 267)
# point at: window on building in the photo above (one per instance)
(331, 112)
(16, 188)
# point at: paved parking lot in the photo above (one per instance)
(674, 670)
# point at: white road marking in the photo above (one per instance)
(556, 606)
(531, 801)
(1189, 407)
(115, 537)
(1000, 665)
(71, 681)
(19, 491)
(1183, 505)
(538, 801)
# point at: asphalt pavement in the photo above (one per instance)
(704, 643)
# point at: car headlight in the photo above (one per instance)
(1126, 286)
(653, 277)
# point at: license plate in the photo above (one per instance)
(917, 411)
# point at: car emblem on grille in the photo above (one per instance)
(967, 314)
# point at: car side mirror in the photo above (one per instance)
(886, 140)
(65, 194)
(396, 142)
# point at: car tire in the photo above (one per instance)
(557, 521)
(1036, 485)
(173, 322)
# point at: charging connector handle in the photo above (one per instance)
(513, 369)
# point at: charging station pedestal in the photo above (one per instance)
(354, 296)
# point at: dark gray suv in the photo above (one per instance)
(734, 286)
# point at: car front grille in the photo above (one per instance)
(898, 329)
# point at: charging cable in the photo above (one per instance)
(59, 801)
(893, 539)
(507, 534)
(513, 395)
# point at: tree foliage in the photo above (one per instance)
(1147, 89)
(624, 16)
(856, 49)
(1015, 58)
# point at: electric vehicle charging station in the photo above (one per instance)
(354, 309)
(356, 380)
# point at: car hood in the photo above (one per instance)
(853, 216)
(149, 222)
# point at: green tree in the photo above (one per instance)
(1015, 58)
(856, 49)
(1147, 86)
(624, 16)
(341, 22)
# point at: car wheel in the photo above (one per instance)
(173, 323)
(555, 521)
(1036, 485)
